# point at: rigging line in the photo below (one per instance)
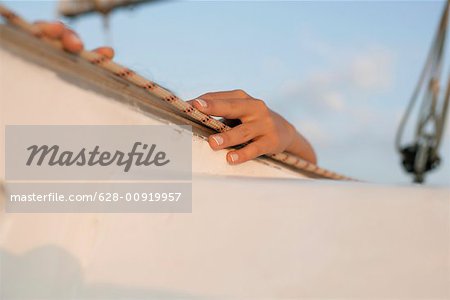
(442, 120)
(430, 111)
(431, 61)
(422, 154)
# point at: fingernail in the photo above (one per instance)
(201, 102)
(218, 139)
(234, 157)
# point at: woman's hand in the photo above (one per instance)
(265, 131)
(69, 39)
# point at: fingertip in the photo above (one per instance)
(53, 30)
(212, 143)
(71, 42)
(57, 29)
(200, 104)
(105, 51)
(215, 141)
(233, 158)
(110, 52)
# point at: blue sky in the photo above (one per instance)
(341, 71)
